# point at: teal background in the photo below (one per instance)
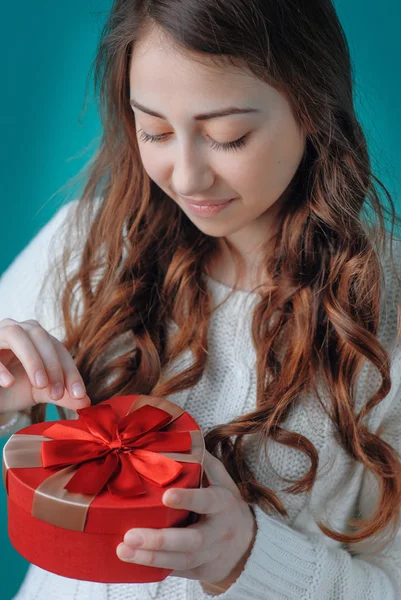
(48, 135)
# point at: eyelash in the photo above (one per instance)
(229, 146)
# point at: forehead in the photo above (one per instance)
(158, 63)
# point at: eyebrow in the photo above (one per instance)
(231, 110)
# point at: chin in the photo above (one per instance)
(217, 230)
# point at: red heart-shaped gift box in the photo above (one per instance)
(75, 487)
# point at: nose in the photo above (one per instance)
(192, 174)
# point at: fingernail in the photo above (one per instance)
(126, 551)
(56, 391)
(41, 378)
(6, 379)
(78, 390)
(174, 497)
(134, 539)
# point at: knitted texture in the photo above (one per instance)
(291, 558)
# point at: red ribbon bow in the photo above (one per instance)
(115, 454)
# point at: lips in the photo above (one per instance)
(212, 202)
(211, 209)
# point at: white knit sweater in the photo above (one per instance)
(291, 558)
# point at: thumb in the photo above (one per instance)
(41, 396)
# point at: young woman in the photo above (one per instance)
(220, 255)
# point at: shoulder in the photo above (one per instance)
(389, 255)
(390, 407)
(21, 282)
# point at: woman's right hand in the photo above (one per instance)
(27, 350)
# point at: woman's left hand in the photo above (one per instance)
(214, 549)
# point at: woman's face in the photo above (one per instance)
(190, 159)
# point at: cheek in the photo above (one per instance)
(273, 165)
(151, 162)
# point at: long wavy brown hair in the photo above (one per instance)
(141, 262)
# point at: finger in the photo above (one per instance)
(218, 475)
(6, 377)
(193, 538)
(66, 401)
(46, 347)
(16, 339)
(73, 379)
(168, 560)
(211, 500)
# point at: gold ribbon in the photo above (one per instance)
(56, 505)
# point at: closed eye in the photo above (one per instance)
(228, 146)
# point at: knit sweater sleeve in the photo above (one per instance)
(286, 564)
(21, 282)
